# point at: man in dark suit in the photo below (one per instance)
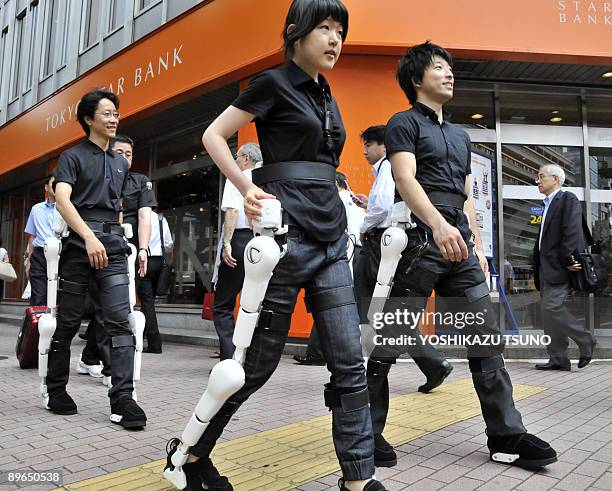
(559, 240)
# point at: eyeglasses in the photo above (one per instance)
(109, 114)
(539, 178)
(238, 155)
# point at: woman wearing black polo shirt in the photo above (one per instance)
(301, 137)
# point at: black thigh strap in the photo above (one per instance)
(72, 287)
(299, 170)
(108, 282)
(328, 299)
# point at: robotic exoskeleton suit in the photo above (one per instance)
(97, 178)
(301, 136)
(442, 152)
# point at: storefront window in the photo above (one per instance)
(599, 111)
(600, 168)
(522, 220)
(190, 203)
(601, 214)
(541, 109)
(520, 163)
(472, 109)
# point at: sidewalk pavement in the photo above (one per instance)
(573, 410)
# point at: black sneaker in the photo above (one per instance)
(384, 455)
(524, 450)
(372, 485)
(127, 413)
(201, 474)
(61, 403)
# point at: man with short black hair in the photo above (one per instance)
(431, 163)
(39, 227)
(90, 182)
(554, 256)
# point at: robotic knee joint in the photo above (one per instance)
(329, 299)
(348, 400)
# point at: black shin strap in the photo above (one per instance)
(328, 299)
(480, 365)
(123, 341)
(272, 321)
(348, 401)
(109, 282)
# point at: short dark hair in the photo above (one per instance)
(122, 139)
(308, 14)
(341, 180)
(413, 64)
(89, 103)
(374, 134)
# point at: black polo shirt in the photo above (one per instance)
(289, 108)
(442, 151)
(138, 193)
(97, 177)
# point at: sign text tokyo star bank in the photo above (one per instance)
(586, 12)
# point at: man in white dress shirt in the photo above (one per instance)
(236, 235)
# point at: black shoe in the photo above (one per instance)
(201, 474)
(372, 485)
(554, 366)
(586, 355)
(127, 413)
(309, 360)
(384, 455)
(436, 379)
(61, 403)
(524, 450)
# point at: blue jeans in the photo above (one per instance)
(314, 266)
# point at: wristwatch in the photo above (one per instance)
(144, 249)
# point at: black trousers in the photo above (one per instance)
(423, 269)
(229, 284)
(98, 346)
(112, 282)
(146, 291)
(38, 277)
(317, 267)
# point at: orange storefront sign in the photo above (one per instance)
(227, 40)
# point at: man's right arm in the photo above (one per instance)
(448, 238)
(95, 249)
(231, 218)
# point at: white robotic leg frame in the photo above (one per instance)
(261, 256)
(136, 318)
(47, 323)
(392, 244)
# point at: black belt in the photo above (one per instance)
(440, 198)
(243, 230)
(105, 227)
(98, 214)
(300, 170)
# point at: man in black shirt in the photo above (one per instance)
(138, 200)
(91, 179)
(430, 159)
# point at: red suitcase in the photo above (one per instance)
(27, 341)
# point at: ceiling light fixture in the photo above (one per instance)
(477, 116)
(556, 120)
(607, 75)
(554, 112)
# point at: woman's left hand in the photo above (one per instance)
(252, 204)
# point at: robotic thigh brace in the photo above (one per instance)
(261, 256)
(47, 323)
(392, 244)
(136, 318)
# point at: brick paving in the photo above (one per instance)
(574, 413)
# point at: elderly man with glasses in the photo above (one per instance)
(559, 238)
(236, 235)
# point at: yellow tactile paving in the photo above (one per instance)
(286, 457)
